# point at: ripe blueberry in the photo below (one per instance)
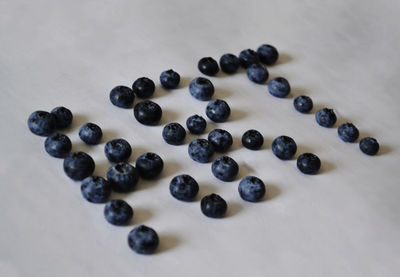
(348, 132)
(143, 240)
(279, 87)
(268, 54)
(225, 168)
(284, 147)
(143, 87)
(303, 104)
(220, 139)
(95, 189)
(248, 57)
(90, 133)
(252, 139)
(308, 163)
(201, 89)
(118, 212)
(42, 123)
(122, 97)
(196, 124)
(149, 165)
(200, 150)
(257, 73)
(208, 66)
(213, 205)
(147, 112)
(117, 150)
(57, 145)
(218, 110)
(229, 63)
(63, 117)
(369, 146)
(123, 177)
(183, 187)
(173, 133)
(169, 79)
(78, 165)
(325, 117)
(251, 189)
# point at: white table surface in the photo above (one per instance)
(342, 222)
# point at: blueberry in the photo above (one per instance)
(78, 165)
(95, 189)
(303, 104)
(149, 165)
(220, 139)
(118, 212)
(200, 150)
(143, 87)
(248, 57)
(173, 133)
(308, 163)
(369, 146)
(57, 145)
(122, 97)
(252, 139)
(279, 87)
(147, 112)
(117, 150)
(183, 187)
(143, 240)
(325, 117)
(251, 189)
(225, 168)
(208, 66)
(213, 205)
(348, 132)
(229, 63)
(284, 147)
(123, 177)
(218, 110)
(42, 123)
(63, 117)
(169, 79)
(90, 133)
(196, 124)
(257, 73)
(201, 89)
(268, 54)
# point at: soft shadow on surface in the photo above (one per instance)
(170, 169)
(101, 168)
(244, 170)
(185, 82)
(295, 92)
(109, 135)
(284, 58)
(233, 209)
(167, 242)
(140, 216)
(222, 93)
(77, 121)
(384, 149)
(237, 144)
(301, 149)
(272, 192)
(205, 189)
(325, 167)
(137, 151)
(237, 115)
(168, 116)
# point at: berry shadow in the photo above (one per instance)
(205, 189)
(170, 169)
(136, 152)
(383, 150)
(283, 58)
(272, 192)
(168, 116)
(184, 83)
(140, 216)
(295, 92)
(244, 170)
(109, 135)
(325, 167)
(101, 168)
(237, 144)
(167, 242)
(237, 115)
(222, 93)
(77, 121)
(233, 209)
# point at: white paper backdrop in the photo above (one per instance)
(343, 54)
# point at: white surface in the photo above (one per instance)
(342, 222)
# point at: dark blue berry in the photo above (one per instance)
(143, 240)
(308, 163)
(213, 205)
(284, 147)
(369, 146)
(229, 63)
(218, 110)
(279, 87)
(348, 132)
(303, 104)
(201, 89)
(183, 187)
(118, 212)
(268, 54)
(220, 139)
(78, 165)
(149, 165)
(123, 177)
(225, 168)
(143, 87)
(90, 133)
(57, 145)
(200, 150)
(122, 97)
(63, 117)
(169, 79)
(41, 123)
(208, 66)
(325, 117)
(251, 189)
(147, 112)
(248, 57)
(95, 189)
(257, 73)
(252, 139)
(117, 150)
(173, 133)
(196, 124)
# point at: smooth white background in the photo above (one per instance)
(342, 222)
